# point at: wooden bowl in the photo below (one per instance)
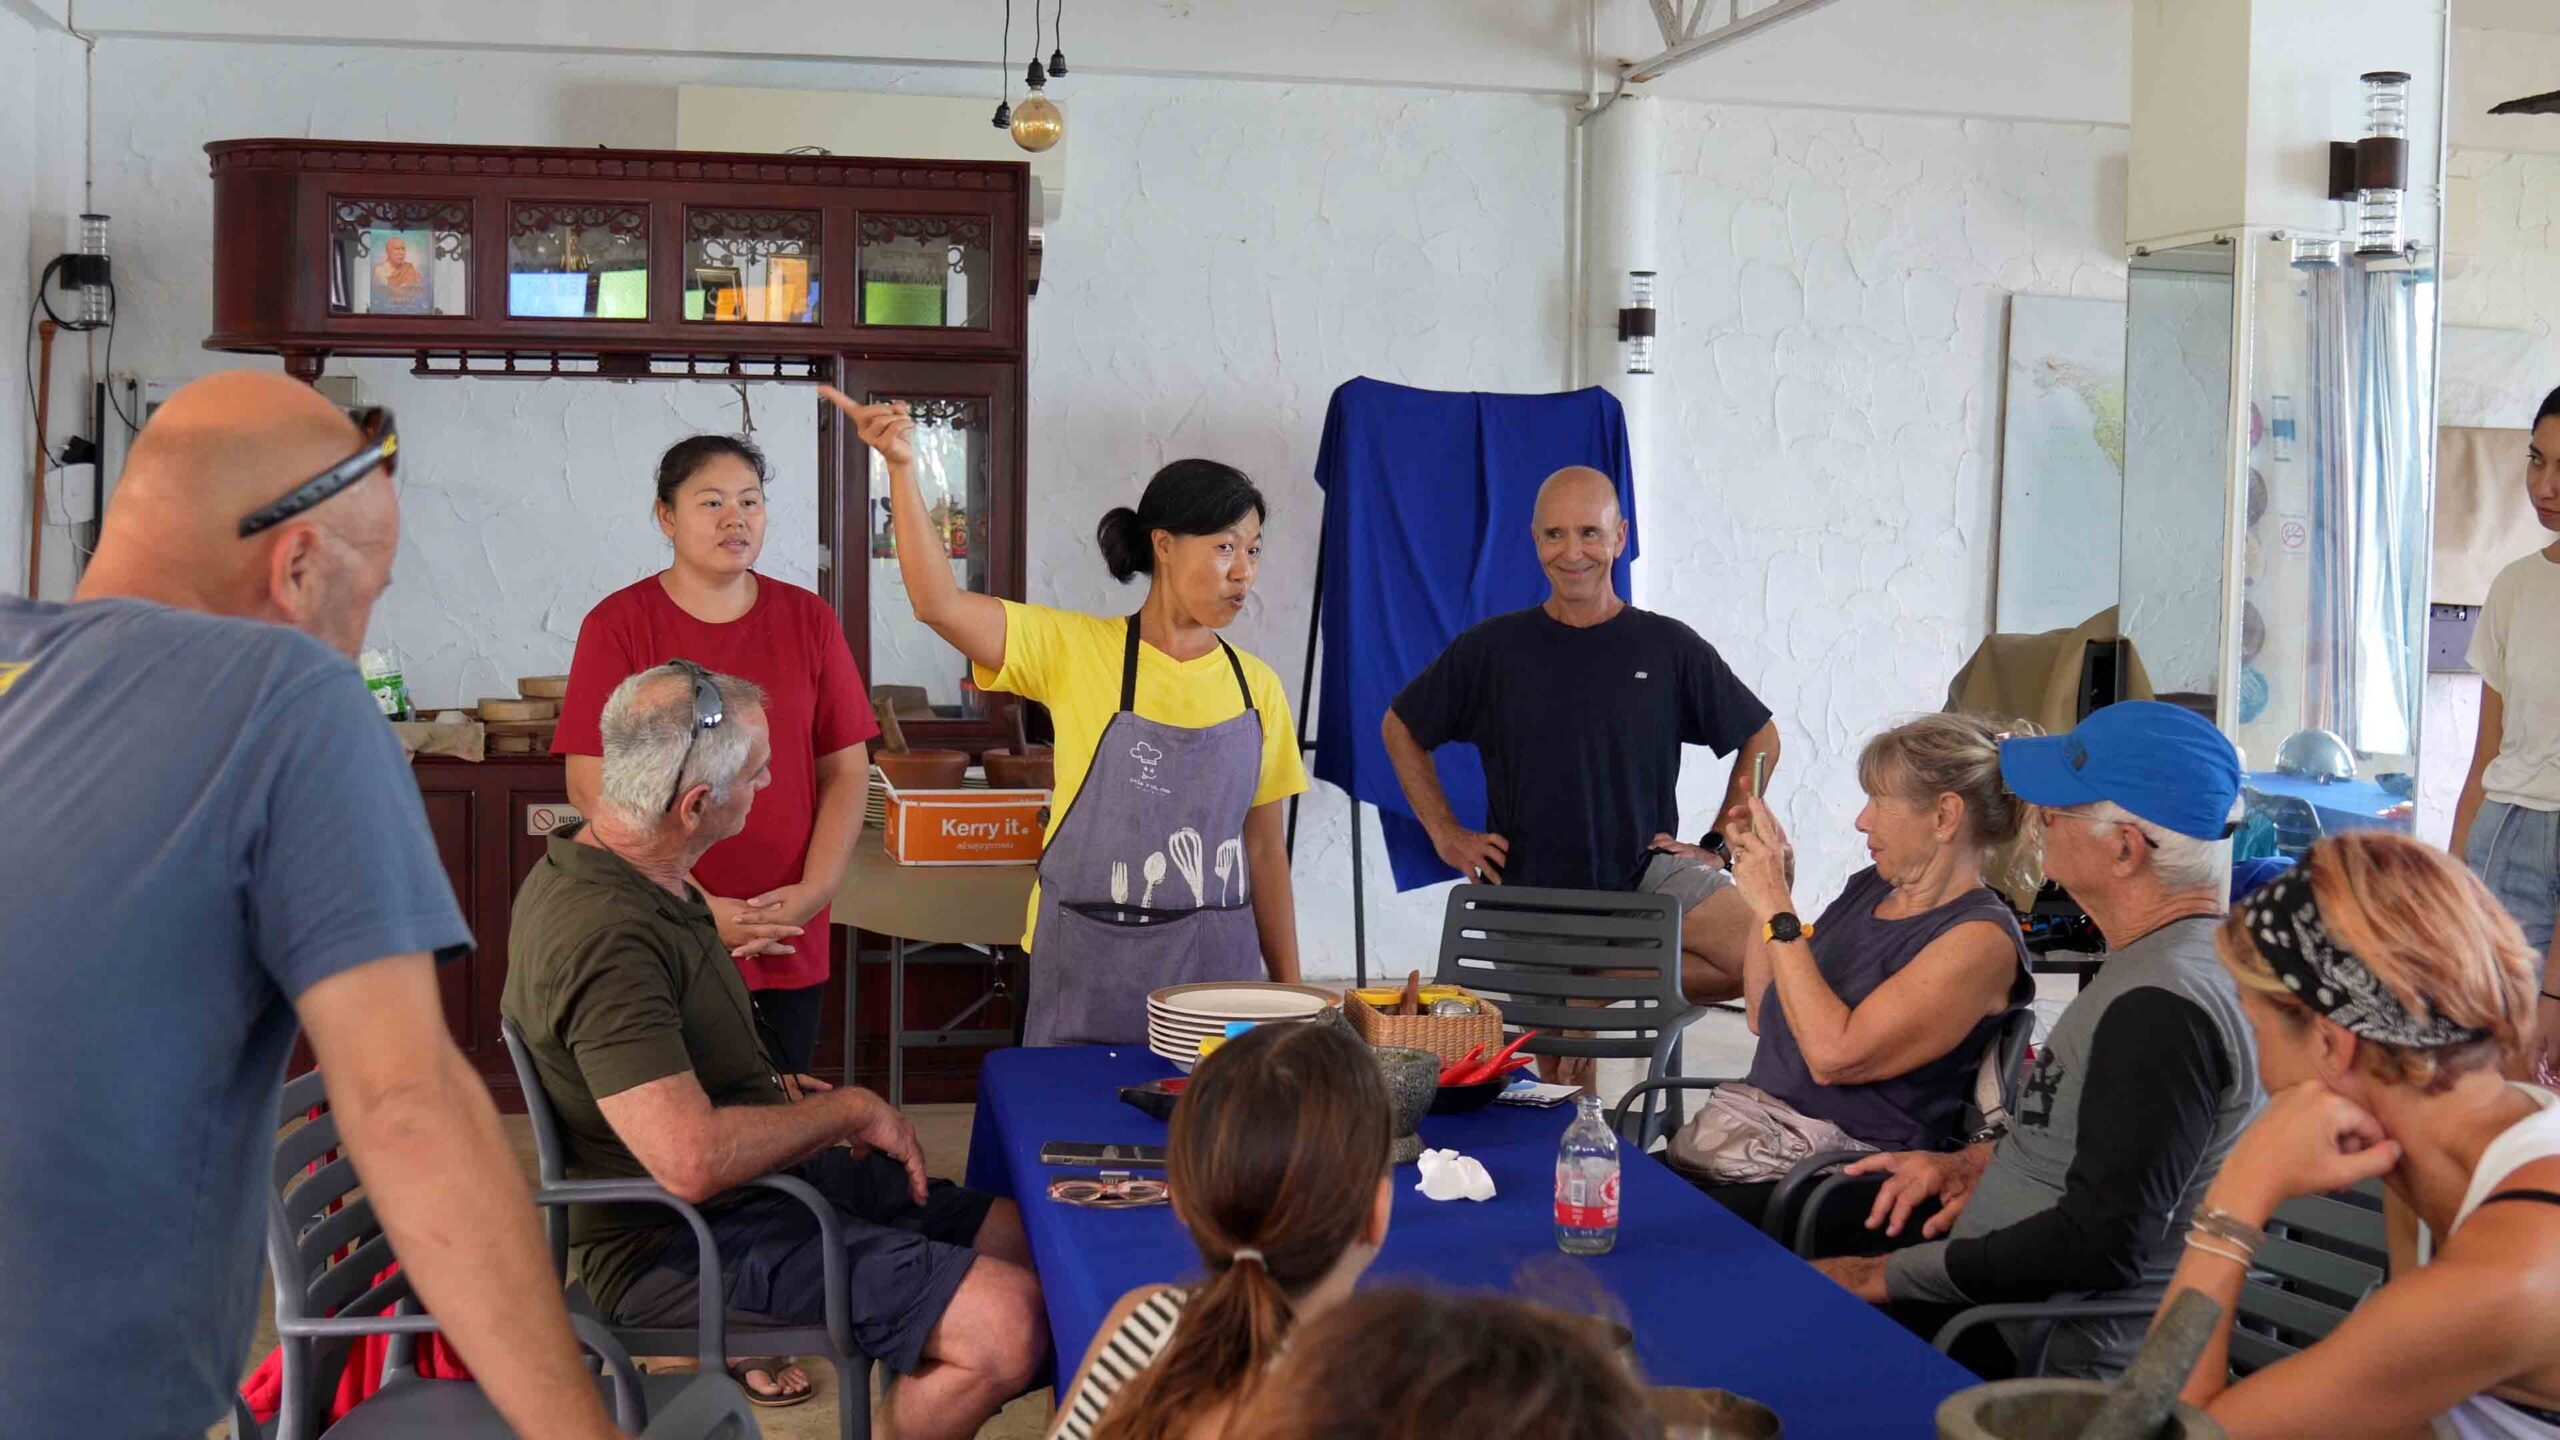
(1008, 770)
(543, 687)
(923, 769)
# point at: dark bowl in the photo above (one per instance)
(1468, 1099)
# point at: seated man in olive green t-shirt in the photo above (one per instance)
(646, 1042)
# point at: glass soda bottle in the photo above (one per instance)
(1587, 1184)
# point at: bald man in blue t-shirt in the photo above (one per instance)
(213, 836)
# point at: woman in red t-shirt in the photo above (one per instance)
(770, 885)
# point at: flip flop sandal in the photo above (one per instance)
(772, 1366)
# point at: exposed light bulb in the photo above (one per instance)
(1038, 123)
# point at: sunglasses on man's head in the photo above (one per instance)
(381, 448)
(707, 715)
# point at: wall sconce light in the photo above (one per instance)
(1635, 322)
(86, 270)
(2374, 171)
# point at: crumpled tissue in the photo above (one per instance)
(1448, 1175)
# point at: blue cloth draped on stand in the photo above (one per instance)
(1428, 500)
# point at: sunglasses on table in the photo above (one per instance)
(381, 448)
(708, 713)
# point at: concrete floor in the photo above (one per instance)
(944, 1131)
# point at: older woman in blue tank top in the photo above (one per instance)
(1873, 1018)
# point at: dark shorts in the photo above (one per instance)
(795, 1017)
(904, 1261)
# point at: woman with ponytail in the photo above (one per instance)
(1165, 861)
(1278, 1166)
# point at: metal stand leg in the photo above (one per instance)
(1359, 899)
(852, 993)
(897, 1022)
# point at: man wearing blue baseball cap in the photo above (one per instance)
(2140, 1089)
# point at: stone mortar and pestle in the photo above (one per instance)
(2143, 1405)
(1413, 1082)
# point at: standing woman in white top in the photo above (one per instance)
(2387, 988)
(2507, 826)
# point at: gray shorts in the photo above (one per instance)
(1688, 881)
(904, 1261)
(2516, 853)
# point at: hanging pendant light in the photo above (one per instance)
(1058, 55)
(1038, 123)
(1004, 58)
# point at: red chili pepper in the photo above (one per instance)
(1491, 1066)
(1461, 1063)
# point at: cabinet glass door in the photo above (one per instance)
(754, 267)
(927, 271)
(955, 465)
(573, 260)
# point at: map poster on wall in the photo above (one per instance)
(2061, 463)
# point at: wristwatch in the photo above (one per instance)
(1784, 928)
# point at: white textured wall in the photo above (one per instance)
(39, 194)
(1830, 391)
(2511, 283)
(1232, 253)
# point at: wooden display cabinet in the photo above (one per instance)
(892, 279)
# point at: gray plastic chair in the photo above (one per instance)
(708, 1340)
(324, 1248)
(1535, 952)
(1814, 1188)
(2324, 1254)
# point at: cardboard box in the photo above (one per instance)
(962, 827)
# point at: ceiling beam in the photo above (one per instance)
(1694, 42)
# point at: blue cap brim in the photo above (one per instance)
(2038, 771)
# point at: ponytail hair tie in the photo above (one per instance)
(1247, 1253)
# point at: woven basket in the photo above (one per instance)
(1448, 1036)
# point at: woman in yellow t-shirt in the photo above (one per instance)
(1165, 861)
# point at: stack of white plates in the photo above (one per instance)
(1181, 1016)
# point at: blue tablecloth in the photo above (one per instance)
(1712, 1301)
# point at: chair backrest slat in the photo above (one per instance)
(334, 1291)
(2319, 1219)
(308, 1142)
(340, 1228)
(2295, 1314)
(2337, 1278)
(306, 1198)
(1530, 950)
(1490, 975)
(2252, 1352)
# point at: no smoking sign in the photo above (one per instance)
(543, 819)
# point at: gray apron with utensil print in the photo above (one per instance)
(1143, 885)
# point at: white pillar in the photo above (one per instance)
(1621, 232)
(2235, 103)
